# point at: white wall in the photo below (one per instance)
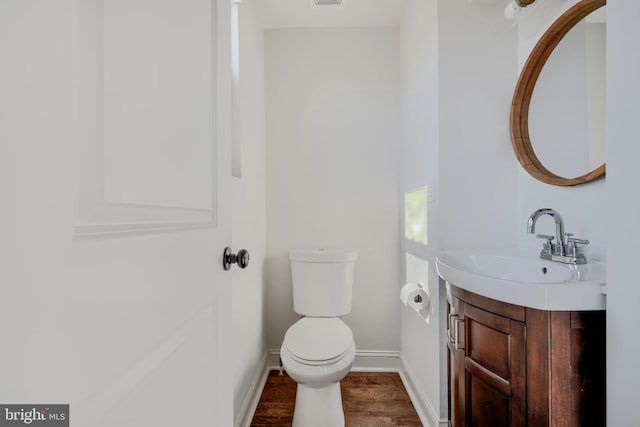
(420, 342)
(459, 71)
(249, 223)
(477, 166)
(332, 110)
(623, 227)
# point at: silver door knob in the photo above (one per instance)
(241, 258)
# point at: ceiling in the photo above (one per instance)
(353, 13)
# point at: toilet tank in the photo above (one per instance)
(322, 281)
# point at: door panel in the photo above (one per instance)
(162, 383)
(488, 407)
(494, 369)
(148, 150)
(157, 80)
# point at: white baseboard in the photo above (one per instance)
(376, 361)
(428, 415)
(251, 400)
(273, 359)
(365, 361)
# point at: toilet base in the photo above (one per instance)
(318, 406)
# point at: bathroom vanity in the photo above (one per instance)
(511, 365)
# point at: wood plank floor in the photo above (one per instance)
(369, 399)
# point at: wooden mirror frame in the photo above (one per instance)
(524, 89)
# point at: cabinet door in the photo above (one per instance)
(494, 370)
(455, 334)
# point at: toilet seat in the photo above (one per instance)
(318, 340)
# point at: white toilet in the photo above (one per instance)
(318, 350)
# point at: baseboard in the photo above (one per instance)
(428, 415)
(376, 361)
(250, 403)
(365, 361)
(273, 359)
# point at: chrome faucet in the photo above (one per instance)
(531, 228)
(566, 248)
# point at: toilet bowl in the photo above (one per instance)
(318, 352)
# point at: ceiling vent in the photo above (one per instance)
(327, 3)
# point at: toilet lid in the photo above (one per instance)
(318, 340)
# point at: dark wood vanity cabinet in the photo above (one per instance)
(515, 366)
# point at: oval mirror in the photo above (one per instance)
(558, 130)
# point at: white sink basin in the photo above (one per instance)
(530, 282)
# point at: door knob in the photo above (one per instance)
(241, 258)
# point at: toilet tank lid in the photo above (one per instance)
(328, 255)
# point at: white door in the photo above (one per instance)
(115, 210)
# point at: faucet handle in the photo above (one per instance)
(571, 239)
(573, 250)
(547, 247)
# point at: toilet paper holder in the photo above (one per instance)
(416, 296)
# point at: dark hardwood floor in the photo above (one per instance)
(369, 399)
